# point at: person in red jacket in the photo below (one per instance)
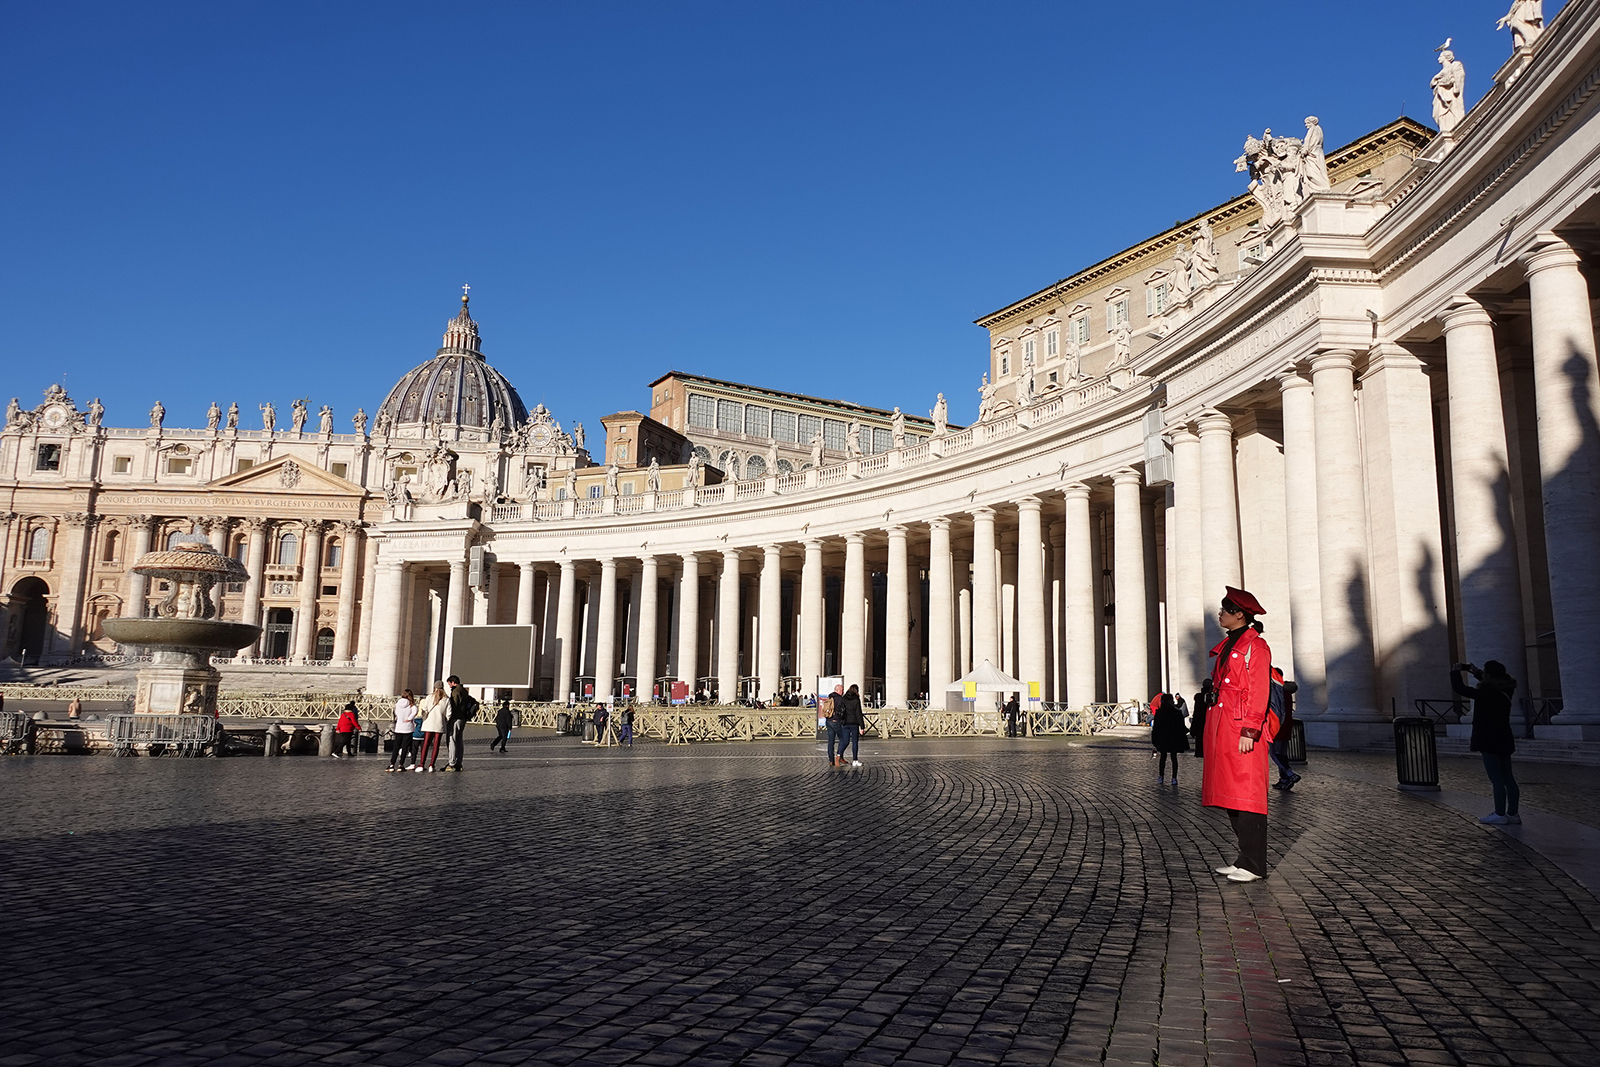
(1235, 769)
(345, 730)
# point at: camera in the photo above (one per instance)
(1465, 667)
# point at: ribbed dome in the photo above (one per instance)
(455, 387)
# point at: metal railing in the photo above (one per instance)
(187, 735)
(1445, 711)
(111, 693)
(13, 731)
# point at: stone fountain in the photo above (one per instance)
(185, 633)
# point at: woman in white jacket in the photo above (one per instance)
(405, 721)
(434, 710)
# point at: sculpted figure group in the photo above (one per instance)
(1284, 170)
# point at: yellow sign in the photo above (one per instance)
(971, 690)
(1033, 690)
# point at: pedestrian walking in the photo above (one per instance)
(435, 713)
(502, 725)
(405, 721)
(847, 709)
(1239, 726)
(1167, 734)
(348, 726)
(1013, 708)
(626, 736)
(1491, 734)
(830, 707)
(1283, 703)
(602, 718)
(463, 706)
(1197, 722)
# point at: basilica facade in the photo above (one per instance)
(1365, 389)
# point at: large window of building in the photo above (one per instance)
(177, 465)
(1155, 299)
(1030, 352)
(288, 550)
(1116, 313)
(39, 543)
(1052, 344)
(332, 553)
(702, 411)
(730, 416)
(1080, 329)
(755, 467)
(783, 426)
(48, 458)
(757, 420)
(833, 432)
(882, 440)
(806, 428)
(121, 464)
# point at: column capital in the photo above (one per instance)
(1389, 356)
(1548, 253)
(689, 558)
(252, 523)
(77, 519)
(1029, 503)
(1212, 421)
(813, 544)
(1127, 476)
(896, 532)
(983, 511)
(314, 525)
(1180, 431)
(1463, 311)
(1290, 379)
(139, 520)
(857, 538)
(458, 564)
(1076, 491)
(647, 559)
(607, 563)
(529, 566)
(730, 555)
(939, 523)
(771, 549)
(1337, 359)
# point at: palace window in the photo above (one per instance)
(730, 416)
(1116, 314)
(785, 467)
(109, 552)
(806, 428)
(595, 491)
(627, 488)
(882, 440)
(783, 426)
(324, 643)
(48, 458)
(622, 452)
(332, 553)
(833, 432)
(1080, 329)
(243, 465)
(1052, 344)
(1053, 378)
(755, 467)
(1155, 299)
(1256, 252)
(341, 470)
(121, 464)
(1030, 352)
(702, 411)
(1005, 365)
(39, 543)
(757, 420)
(288, 550)
(178, 465)
(240, 547)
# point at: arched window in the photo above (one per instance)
(173, 538)
(785, 467)
(109, 553)
(288, 550)
(240, 547)
(39, 543)
(324, 643)
(332, 552)
(755, 467)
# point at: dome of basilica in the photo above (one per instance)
(456, 387)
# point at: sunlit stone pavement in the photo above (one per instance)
(973, 901)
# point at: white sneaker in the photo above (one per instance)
(1493, 819)
(335, 755)
(855, 763)
(419, 770)
(1241, 875)
(1230, 869)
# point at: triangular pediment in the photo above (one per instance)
(1078, 308)
(1157, 275)
(288, 474)
(1118, 291)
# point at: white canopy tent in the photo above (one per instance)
(984, 678)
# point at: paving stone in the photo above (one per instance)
(981, 901)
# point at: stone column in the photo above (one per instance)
(455, 604)
(644, 668)
(1031, 644)
(1300, 528)
(1219, 517)
(728, 628)
(139, 584)
(961, 576)
(369, 585)
(383, 660)
(689, 621)
(1008, 606)
(897, 623)
(350, 543)
(853, 626)
(1342, 543)
(217, 527)
(985, 592)
(565, 652)
(527, 583)
(73, 561)
(605, 657)
(1186, 606)
(941, 643)
(1082, 620)
(305, 616)
(769, 637)
(1567, 386)
(811, 617)
(591, 624)
(1406, 552)
(1133, 649)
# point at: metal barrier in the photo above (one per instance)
(109, 693)
(1295, 750)
(1445, 711)
(187, 734)
(1538, 711)
(13, 731)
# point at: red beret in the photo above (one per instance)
(1244, 601)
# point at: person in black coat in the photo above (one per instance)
(847, 711)
(1491, 733)
(1167, 734)
(502, 725)
(1197, 724)
(1013, 709)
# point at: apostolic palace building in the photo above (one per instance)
(1366, 390)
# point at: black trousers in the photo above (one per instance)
(1250, 827)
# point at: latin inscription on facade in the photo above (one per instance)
(1247, 350)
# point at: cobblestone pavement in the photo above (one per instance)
(948, 902)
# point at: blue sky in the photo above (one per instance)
(261, 201)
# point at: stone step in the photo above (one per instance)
(1532, 751)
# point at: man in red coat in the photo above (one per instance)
(1235, 772)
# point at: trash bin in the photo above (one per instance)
(1296, 748)
(1416, 758)
(563, 723)
(588, 730)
